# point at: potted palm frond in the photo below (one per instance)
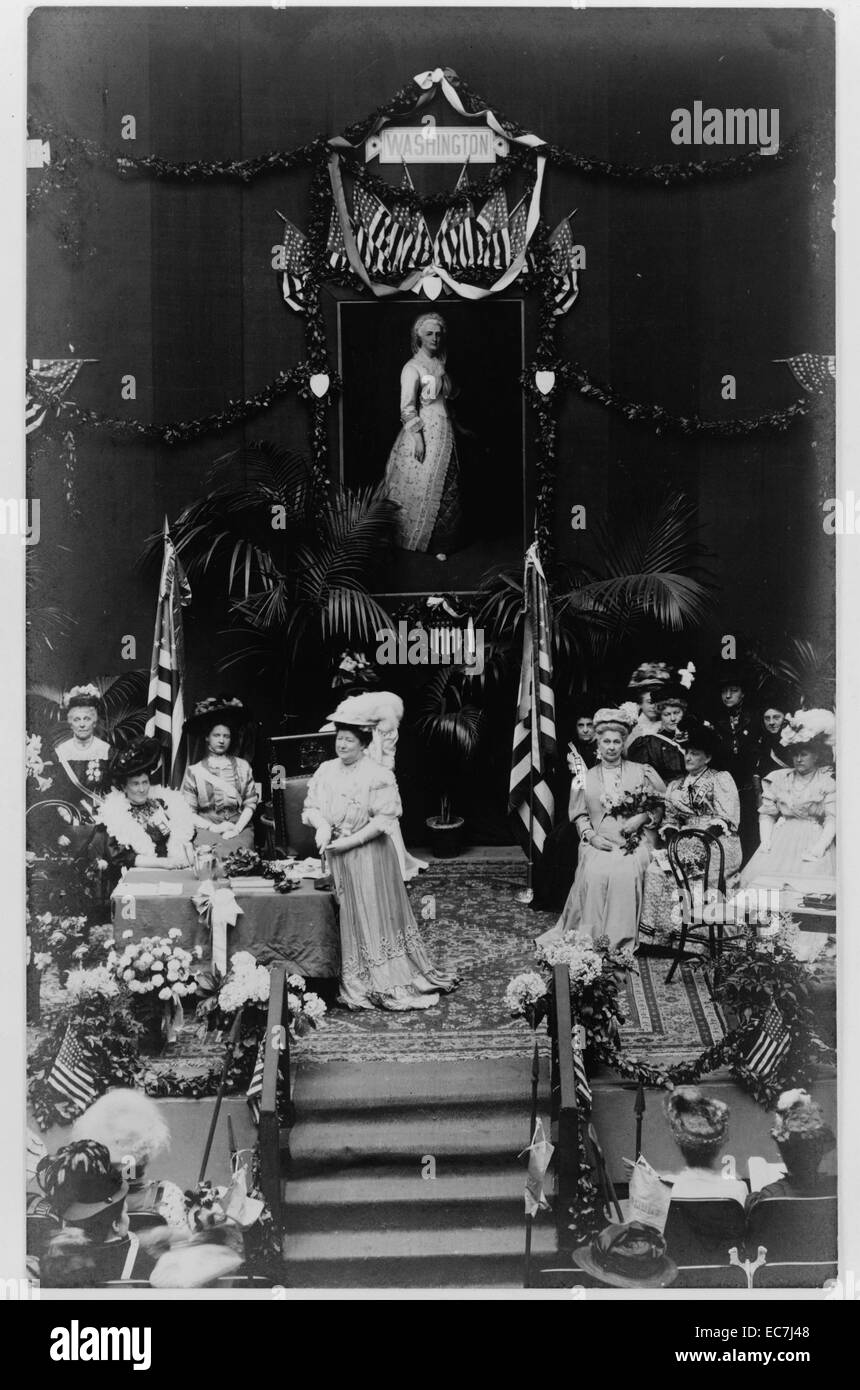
(451, 724)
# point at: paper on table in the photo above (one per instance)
(127, 889)
(250, 883)
(762, 1173)
(168, 888)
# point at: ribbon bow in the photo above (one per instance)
(218, 908)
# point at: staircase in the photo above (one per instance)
(362, 1207)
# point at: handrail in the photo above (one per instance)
(276, 1079)
(565, 1108)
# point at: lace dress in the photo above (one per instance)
(427, 491)
(800, 806)
(384, 963)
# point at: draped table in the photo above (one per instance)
(301, 925)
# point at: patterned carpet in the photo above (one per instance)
(484, 935)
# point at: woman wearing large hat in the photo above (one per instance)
(220, 787)
(797, 816)
(704, 797)
(353, 804)
(612, 808)
(139, 825)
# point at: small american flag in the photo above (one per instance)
(372, 230)
(409, 245)
(771, 1044)
(295, 267)
(459, 240)
(565, 286)
(580, 1075)
(254, 1093)
(814, 371)
(335, 248)
(72, 1076)
(53, 375)
(493, 219)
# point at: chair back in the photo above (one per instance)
(701, 1232)
(144, 1220)
(291, 835)
(42, 1224)
(794, 1229)
(682, 870)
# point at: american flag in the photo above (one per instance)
(409, 244)
(295, 267)
(335, 248)
(72, 1076)
(517, 229)
(534, 746)
(580, 1075)
(565, 284)
(54, 375)
(166, 706)
(459, 240)
(813, 370)
(372, 230)
(770, 1045)
(254, 1093)
(493, 219)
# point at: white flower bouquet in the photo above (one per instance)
(156, 966)
(523, 993)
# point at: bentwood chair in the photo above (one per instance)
(691, 917)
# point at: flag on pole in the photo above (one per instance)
(540, 1151)
(770, 1044)
(534, 746)
(335, 247)
(254, 1093)
(166, 707)
(72, 1077)
(409, 244)
(565, 282)
(460, 237)
(295, 268)
(493, 219)
(813, 370)
(54, 376)
(372, 230)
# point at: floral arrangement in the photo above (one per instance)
(156, 965)
(57, 939)
(592, 969)
(524, 993)
(242, 863)
(354, 669)
(92, 691)
(632, 803)
(213, 702)
(97, 983)
(249, 983)
(35, 763)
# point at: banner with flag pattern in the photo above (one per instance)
(53, 375)
(72, 1077)
(530, 797)
(166, 705)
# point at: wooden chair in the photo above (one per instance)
(144, 1220)
(682, 877)
(706, 1241)
(796, 1242)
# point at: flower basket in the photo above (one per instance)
(156, 975)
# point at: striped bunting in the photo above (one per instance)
(166, 706)
(534, 745)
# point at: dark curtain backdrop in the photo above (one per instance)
(683, 285)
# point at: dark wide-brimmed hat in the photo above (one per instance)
(673, 693)
(630, 1256)
(738, 671)
(83, 697)
(79, 1181)
(218, 709)
(143, 755)
(776, 694)
(649, 675)
(696, 1120)
(696, 733)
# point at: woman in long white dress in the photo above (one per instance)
(797, 815)
(351, 804)
(422, 473)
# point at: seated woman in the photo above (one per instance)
(700, 1128)
(132, 1128)
(803, 1139)
(89, 1197)
(797, 815)
(704, 798)
(613, 807)
(220, 788)
(662, 749)
(82, 759)
(352, 803)
(140, 826)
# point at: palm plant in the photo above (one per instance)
(124, 706)
(809, 670)
(295, 568)
(451, 723)
(650, 572)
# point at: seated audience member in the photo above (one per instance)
(797, 816)
(584, 740)
(663, 749)
(138, 825)
(803, 1139)
(132, 1128)
(699, 1127)
(644, 687)
(737, 727)
(88, 1196)
(220, 786)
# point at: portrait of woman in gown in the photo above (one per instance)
(423, 474)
